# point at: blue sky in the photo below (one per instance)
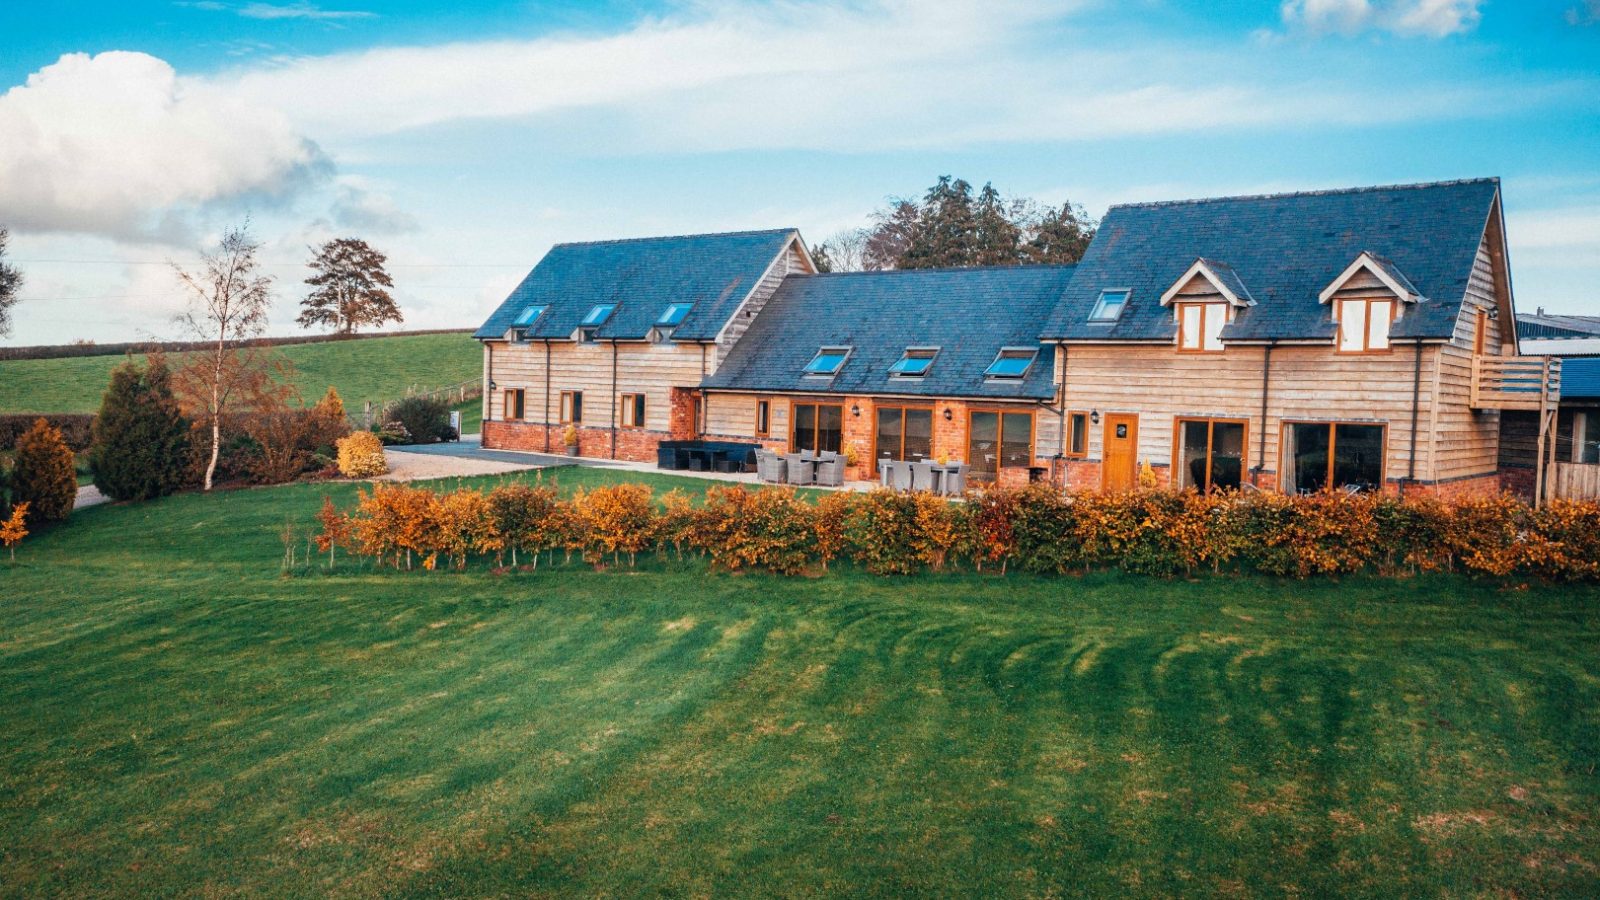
(465, 138)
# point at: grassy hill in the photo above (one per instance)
(182, 720)
(368, 369)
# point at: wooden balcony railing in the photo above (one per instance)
(1516, 382)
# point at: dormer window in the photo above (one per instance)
(1200, 326)
(529, 315)
(1108, 308)
(1012, 363)
(828, 361)
(1364, 324)
(674, 315)
(914, 363)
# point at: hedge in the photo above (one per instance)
(76, 428)
(1038, 529)
(63, 351)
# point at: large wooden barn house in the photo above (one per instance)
(1362, 337)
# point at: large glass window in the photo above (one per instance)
(1210, 454)
(817, 427)
(904, 433)
(998, 440)
(1323, 455)
(1200, 326)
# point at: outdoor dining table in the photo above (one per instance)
(939, 472)
(802, 462)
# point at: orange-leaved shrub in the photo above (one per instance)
(615, 519)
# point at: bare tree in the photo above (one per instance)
(10, 285)
(845, 251)
(228, 304)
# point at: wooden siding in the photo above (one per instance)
(642, 368)
(1466, 442)
(791, 261)
(1308, 383)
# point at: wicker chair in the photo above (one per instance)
(955, 480)
(799, 470)
(830, 471)
(770, 467)
(922, 476)
(902, 476)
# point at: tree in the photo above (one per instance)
(14, 528)
(10, 285)
(996, 239)
(1060, 236)
(845, 251)
(141, 440)
(229, 302)
(349, 284)
(946, 232)
(890, 236)
(44, 475)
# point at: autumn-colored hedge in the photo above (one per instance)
(1039, 529)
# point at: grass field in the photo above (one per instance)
(179, 719)
(376, 369)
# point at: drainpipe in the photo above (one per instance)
(1060, 474)
(547, 395)
(488, 376)
(701, 413)
(1266, 384)
(1416, 397)
(614, 400)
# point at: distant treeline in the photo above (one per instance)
(63, 351)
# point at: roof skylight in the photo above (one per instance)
(1108, 308)
(599, 314)
(674, 314)
(828, 361)
(1012, 363)
(915, 363)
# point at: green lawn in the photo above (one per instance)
(376, 369)
(179, 719)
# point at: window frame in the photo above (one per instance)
(530, 308)
(843, 352)
(1097, 312)
(1076, 417)
(589, 319)
(661, 321)
(1000, 437)
(1183, 308)
(632, 407)
(903, 409)
(928, 353)
(1366, 325)
(1480, 334)
(1211, 441)
(571, 403)
(816, 430)
(1032, 354)
(1333, 444)
(763, 417)
(522, 404)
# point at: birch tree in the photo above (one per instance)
(229, 300)
(10, 285)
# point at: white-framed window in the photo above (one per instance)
(1364, 324)
(1200, 326)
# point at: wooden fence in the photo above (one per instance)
(451, 394)
(1575, 481)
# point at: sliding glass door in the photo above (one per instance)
(816, 427)
(1320, 455)
(904, 433)
(997, 440)
(1210, 454)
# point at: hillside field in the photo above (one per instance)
(182, 719)
(376, 369)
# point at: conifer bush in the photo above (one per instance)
(44, 475)
(141, 440)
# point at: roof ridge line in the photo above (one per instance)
(1326, 192)
(675, 237)
(990, 268)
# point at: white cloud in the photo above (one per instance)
(362, 208)
(271, 11)
(1585, 13)
(118, 144)
(1421, 18)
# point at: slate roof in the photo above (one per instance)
(641, 275)
(1580, 378)
(1230, 279)
(1287, 248)
(969, 314)
(1537, 325)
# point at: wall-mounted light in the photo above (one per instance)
(855, 410)
(492, 385)
(1094, 416)
(948, 415)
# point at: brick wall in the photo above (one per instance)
(635, 444)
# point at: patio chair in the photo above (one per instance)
(955, 479)
(886, 473)
(770, 467)
(830, 472)
(800, 470)
(922, 476)
(902, 476)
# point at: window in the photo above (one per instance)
(674, 314)
(1200, 326)
(828, 361)
(529, 315)
(632, 410)
(904, 433)
(1586, 437)
(915, 363)
(571, 407)
(1322, 455)
(1210, 454)
(816, 427)
(1480, 332)
(1108, 308)
(1077, 435)
(1012, 362)
(763, 418)
(599, 314)
(1364, 325)
(514, 404)
(996, 440)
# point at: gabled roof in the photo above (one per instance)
(1288, 248)
(1222, 277)
(1381, 268)
(1540, 325)
(642, 276)
(969, 314)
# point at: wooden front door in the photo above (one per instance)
(1120, 469)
